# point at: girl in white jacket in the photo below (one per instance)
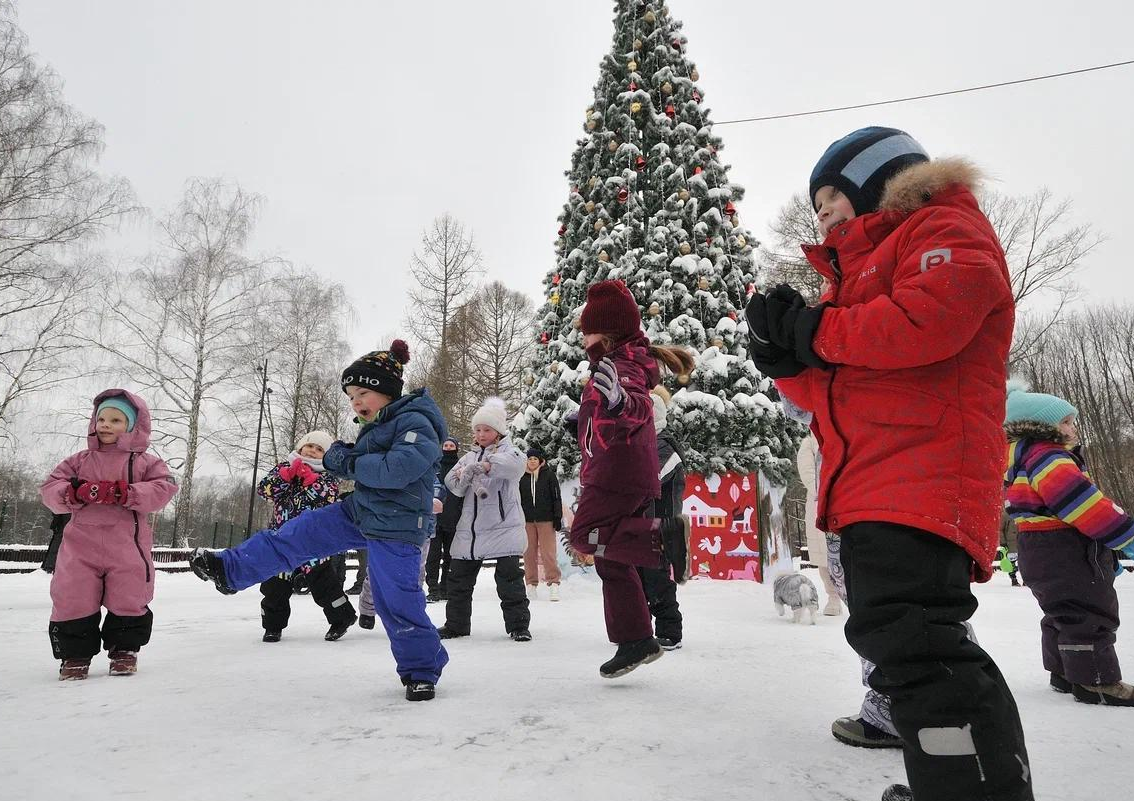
(491, 526)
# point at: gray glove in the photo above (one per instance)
(606, 382)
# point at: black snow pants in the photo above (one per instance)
(509, 587)
(326, 585)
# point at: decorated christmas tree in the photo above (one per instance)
(650, 203)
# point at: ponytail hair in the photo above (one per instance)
(676, 359)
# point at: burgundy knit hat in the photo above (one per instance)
(611, 310)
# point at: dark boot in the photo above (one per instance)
(207, 566)
(860, 734)
(74, 669)
(629, 656)
(271, 635)
(419, 690)
(1118, 694)
(123, 663)
(897, 792)
(337, 630)
(366, 622)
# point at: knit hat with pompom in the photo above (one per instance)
(1035, 407)
(492, 414)
(379, 370)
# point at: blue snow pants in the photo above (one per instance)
(394, 568)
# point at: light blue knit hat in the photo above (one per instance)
(1035, 407)
(121, 404)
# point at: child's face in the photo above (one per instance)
(832, 208)
(366, 403)
(485, 435)
(111, 424)
(591, 339)
(533, 463)
(311, 451)
(1070, 430)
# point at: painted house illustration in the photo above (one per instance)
(704, 514)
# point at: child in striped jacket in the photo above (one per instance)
(1069, 533)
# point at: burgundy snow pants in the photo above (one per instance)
(615, 528)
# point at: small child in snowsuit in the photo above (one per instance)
(438, 560)
(660, 583)
(295, 486)
(104, 560)
(1070, 535)
(392, 465)
(903, 364)
(619, 471)
(491, 526)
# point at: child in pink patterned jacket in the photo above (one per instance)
(109, 488)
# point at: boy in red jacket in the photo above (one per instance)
(903, 364)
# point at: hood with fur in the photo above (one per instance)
(912, 188)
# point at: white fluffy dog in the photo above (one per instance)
(795, 590)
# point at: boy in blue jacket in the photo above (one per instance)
(390, 513)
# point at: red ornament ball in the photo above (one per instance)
(639, 164)
(729, 209)
(543, 338)
(696, 170)
(555, 279)
(732, 316)
(623, 195)
(696, 96)
(670, 111)
(562, 229)
(633, 86)
(676, 44)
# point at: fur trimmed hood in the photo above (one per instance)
(1035, 431)
(913, 187)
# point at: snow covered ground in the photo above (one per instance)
(743, 711)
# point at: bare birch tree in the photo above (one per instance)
(188, 323)
(501, 339)
(445, 272)
(52, 203)
(783, 262)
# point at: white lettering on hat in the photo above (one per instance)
(362, 379)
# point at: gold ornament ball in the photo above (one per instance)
(554, 299)
(599, 225)
(612, 146)
(591, 182)
(554, 366)
(591, 125)
(635, 107)
(667, 88)
(603, 256)
(683, 194)
(589, 206)
(655, 309)
(684, 248)
(637, 44)
(650, 17)
(735, 221)
(529, 379)
(718, 342)
(632, 65)
(702, 282)
(695, 75)
(583, 380)
(741, 241)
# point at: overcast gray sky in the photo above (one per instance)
(361, 121)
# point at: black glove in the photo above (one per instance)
(769, 358)
(792, 324)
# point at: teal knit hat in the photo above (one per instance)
(1035, 406)
(122, 405)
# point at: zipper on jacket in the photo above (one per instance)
(475, 512)
(137, 532)
(500, 500)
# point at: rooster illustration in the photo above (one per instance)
(713, 547)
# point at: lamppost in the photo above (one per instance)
(262, 369)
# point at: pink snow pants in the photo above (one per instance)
(102, 567)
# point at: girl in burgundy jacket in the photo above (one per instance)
(619, 472)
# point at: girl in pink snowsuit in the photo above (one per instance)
(105, 561)
(615, 519)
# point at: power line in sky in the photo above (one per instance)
(926, 97)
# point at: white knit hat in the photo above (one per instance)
(320, 438)
(492, 414)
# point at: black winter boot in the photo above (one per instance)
(337, 630)
(419, 690)
(207, 566)
(897, 792)
(366, 621)
(272, 635)
(629, 656)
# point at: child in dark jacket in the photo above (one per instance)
(1070, 535)
(438, 561)
(903, 364)
(543, 516)
(619, 470)
(660, 583)
(295, 486)
(393, 465)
